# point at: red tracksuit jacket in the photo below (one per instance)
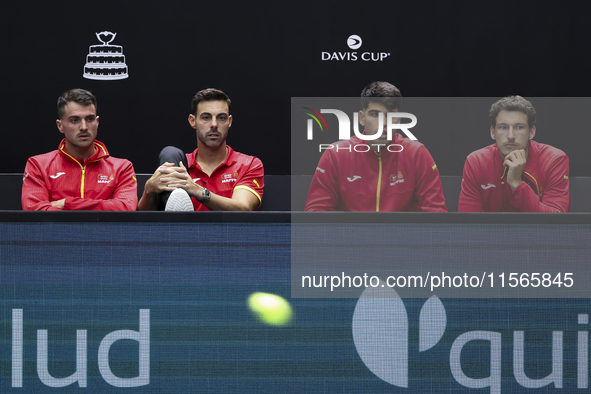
(544, 186)
(363, 181)
(101, 183)
(238, 171)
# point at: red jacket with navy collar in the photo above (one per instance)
(101, 183)
(544, 186)
(238, 171)
(365, 181)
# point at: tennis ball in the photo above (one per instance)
(270, 308)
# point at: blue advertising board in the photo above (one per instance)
(162, 307)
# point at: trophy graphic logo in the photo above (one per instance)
(105, 61)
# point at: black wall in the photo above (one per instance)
(262, 56)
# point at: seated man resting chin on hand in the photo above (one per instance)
(515, 174)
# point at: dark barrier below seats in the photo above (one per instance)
(289, 192)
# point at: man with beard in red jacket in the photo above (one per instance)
(515, 174)
(80, 174)
(403, 179)
(214, 177)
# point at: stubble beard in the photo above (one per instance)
(210, 143)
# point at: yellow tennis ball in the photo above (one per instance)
(270, 308)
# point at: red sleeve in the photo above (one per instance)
(470, 195)
(35, 196)
(124, 197)
(254, 179)
(556, 196)
(428, 189)
(324, 189)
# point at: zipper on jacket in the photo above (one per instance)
(535, 181)
(82, 182)
(379, 183)
(83, 169)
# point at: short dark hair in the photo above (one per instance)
(513, 103)
(381, 89)
(80, 96)
(209, 94)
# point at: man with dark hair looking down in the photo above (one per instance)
(377, 179)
